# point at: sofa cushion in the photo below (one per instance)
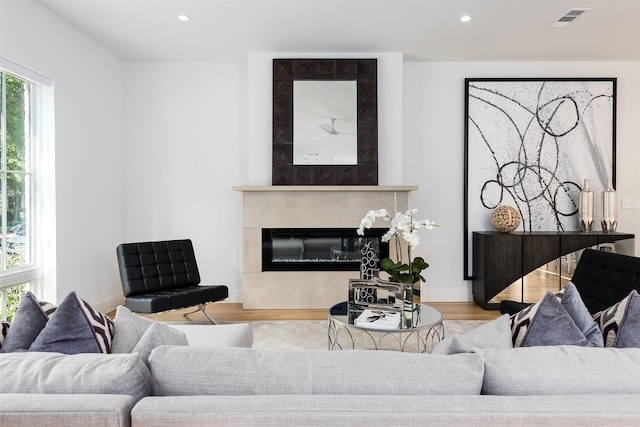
(86, 373)
(620, 324)
(76, 327)
(156, 335)
(200, 370)
(55, 410)
(30, 319)
(137, 334)
(561, 370)
(128, 328)
(387, 410)
(495, 334)
(227, 335)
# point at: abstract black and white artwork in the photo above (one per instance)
(530, 144)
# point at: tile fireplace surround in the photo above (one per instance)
(304, 207)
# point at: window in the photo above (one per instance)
(19, 266)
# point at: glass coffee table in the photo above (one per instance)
(426, 331)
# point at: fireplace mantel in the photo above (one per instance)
(301, 207)
(327, 188)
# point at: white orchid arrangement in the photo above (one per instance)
(404, 226)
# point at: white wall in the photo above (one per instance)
(89, 99)
(434, 149)
(186, 146)
(150, 150)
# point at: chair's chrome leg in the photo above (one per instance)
(201, 307)
(207, 316)
(194, 311)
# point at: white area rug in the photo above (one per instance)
(312, 334)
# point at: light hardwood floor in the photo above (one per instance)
(550, 277)
(535, 285)
(226, 312)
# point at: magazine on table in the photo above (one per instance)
(378, 319)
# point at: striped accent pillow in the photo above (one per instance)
(4, 329)
(520, 323)
(620, 323)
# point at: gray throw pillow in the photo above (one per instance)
(30, 319)
(620, 324)
(495, 334)
(75, 327)
(128, 328)
(572, 302)
(156, 335)
(551, 325)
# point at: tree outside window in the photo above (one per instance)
(15, 184)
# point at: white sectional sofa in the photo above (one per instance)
(476, 379)
(90, 389)
(211, 386)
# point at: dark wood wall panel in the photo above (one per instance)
(365, 72)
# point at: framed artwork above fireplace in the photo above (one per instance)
(335, 117)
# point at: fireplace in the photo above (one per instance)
(303, 208)
(317, 249)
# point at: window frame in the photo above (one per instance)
(40, 125)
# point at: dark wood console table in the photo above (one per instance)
(499, 259)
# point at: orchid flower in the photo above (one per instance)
(402, 226)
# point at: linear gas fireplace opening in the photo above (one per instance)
(318, 249)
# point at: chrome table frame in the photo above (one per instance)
(343, 334)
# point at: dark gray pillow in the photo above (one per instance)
(75, 328)
(549, 324)
(620, 324)
(29, 320)
(572, 302)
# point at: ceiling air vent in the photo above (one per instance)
(568, 18)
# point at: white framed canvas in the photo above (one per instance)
(530, 144)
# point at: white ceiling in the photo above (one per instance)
(424, 30)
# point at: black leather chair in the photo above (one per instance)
(602, 278)
(163, 275)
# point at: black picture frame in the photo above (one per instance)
(530, 143)
(364, 72)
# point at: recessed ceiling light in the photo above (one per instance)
(465, 18)
(184, 18)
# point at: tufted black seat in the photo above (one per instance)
(163, 275)
(602, 279)
(605, 278)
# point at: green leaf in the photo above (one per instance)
(407, 279)
(387, 264)
(419, 264)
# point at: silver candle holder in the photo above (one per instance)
(585, 208)
(609, 217)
